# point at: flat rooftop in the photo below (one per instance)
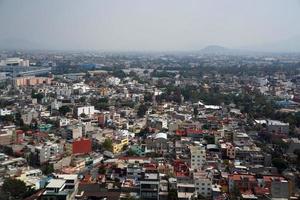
(56, 183)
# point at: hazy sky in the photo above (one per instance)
(149, 24)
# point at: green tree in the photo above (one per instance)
(195, 112)
(130, 152)
(47, 169)
(235, 193)
(142, 110)
(83, 115)
(280, 164)
(107, 144)
(172, 194)
(102, 170)
(37, 96)
(14, 189)
(64, 110)
(210, 139)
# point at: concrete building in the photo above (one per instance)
(31, 81)
(87, 110)
(48, 151)
(275, 126)
(198, 156)
(279, 186)
(119, 144)
(228, 150)
(14, 62)
(62, 187)
(149, 185)
(4, 112)
(203, 183)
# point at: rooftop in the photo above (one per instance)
(56, 183)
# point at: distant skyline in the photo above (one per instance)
(150, 25)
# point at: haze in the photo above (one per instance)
(156, 25)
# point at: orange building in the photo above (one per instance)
(31, 81)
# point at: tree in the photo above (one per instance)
(210, 139)
(195, 112)
(102, 170)
(235, 193)
(47, 169)
(107, 144)
(64, 110)
(130, 152)
(142, 110)
(148, 97)
(280, 164)
(172, 194)
(37, 96)
(14, 188)
(83, 115)
(25, 127)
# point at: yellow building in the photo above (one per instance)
(118, 145)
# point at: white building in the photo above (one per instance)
(63, 186)
(87, 110)
(198, 156)
(113, 80)
(203, 183)
(4, 112)
(48, 151)
(81, 87)
(64, 122)
(63, 91)
(75, 131)
(14, 62)
(56, 104)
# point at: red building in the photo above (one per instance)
(19, 137)
(82, 146)
(101, 120)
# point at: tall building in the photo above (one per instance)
(149, 185)
(87, 110)
(31, 81)
(198, 156)
(203, 183)
(14, 62)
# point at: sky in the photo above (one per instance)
(156, 25)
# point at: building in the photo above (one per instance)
(158, 144)
(73, 132)
(185, 188)
(31, 81)
(198, 156)
(87, 110)
(7, 135)
(149, 185)
(14, 62)
(33, 178)
(6, 138)
(203, 184)
(275, 126)
(48, 151)
(228, 150)
(279, 186)
(4, 112)
(119, 144)
(244, 182)
(82, 146)
(62, 187)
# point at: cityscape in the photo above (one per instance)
(135, 122)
